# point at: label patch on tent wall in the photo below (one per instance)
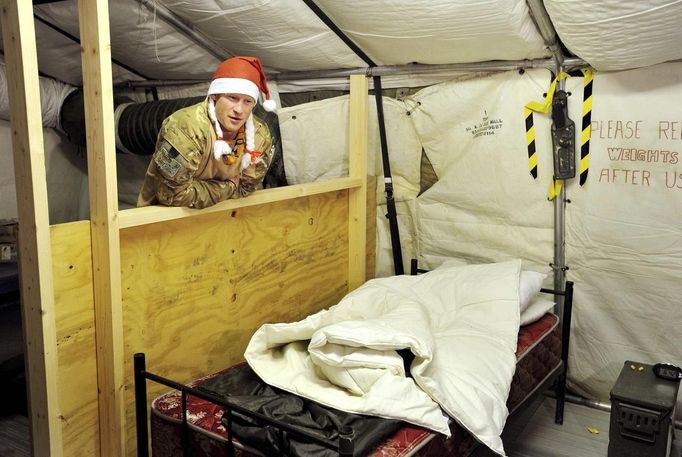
(487, 127)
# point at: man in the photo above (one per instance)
(216, 149)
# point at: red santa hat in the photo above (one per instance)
(239, 75)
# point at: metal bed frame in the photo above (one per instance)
(345, 446)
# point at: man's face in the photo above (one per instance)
(232, 111)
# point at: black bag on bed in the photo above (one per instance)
(242, 387)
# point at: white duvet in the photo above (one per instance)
(460, 322)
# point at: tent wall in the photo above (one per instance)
(66, 178)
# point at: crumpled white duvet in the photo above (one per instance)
(460, 322)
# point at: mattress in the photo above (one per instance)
(538, 359)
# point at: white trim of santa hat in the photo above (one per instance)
(238, 75)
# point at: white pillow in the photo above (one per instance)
(535, 310)
(530, 283)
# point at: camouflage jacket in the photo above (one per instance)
(183, 171)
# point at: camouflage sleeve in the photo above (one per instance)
(176, 166)
(252, 176)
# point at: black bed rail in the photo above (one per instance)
(567, 293)
(560, 385)
(345, 447)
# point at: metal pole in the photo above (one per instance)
(141, 405)
(544, 25)
(384, 70)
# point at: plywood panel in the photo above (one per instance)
(74, 316)
(195, 289)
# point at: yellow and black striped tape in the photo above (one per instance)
(530, 143)
(539, 107)
(586, 125)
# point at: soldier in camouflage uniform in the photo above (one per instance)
(216, 149)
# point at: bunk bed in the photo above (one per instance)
(197, 420)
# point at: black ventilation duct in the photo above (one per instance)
(138, 124)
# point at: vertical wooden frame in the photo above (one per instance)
(35, 248)
(357, 168)
(99, 115)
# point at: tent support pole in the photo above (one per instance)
(546, 29)
(384, 70)
(544, 25)
(559, 265)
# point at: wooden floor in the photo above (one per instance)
(14, 436)
(14, 431)
(536, 434)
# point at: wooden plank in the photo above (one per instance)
(34, 247)
(99, 116)
(371, 231)
(195, 289)
(357, 168)
(75, 320)
(152, 214)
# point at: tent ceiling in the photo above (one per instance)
(288, 36)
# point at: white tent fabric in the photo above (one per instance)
(288, 36)
(52, 95)
(67, 181)
(617, 35)
(624, 230)
(485, 205)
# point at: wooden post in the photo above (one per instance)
(35, 259)
(357, 168)
(99, 115)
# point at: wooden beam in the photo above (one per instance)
(152, 214)
(357, 169)
(99, 115)
(35, 263)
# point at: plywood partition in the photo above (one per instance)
(195, 285)
(75, 321)
(195, 290)
(37, 297)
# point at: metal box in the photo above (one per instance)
(642, 413)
